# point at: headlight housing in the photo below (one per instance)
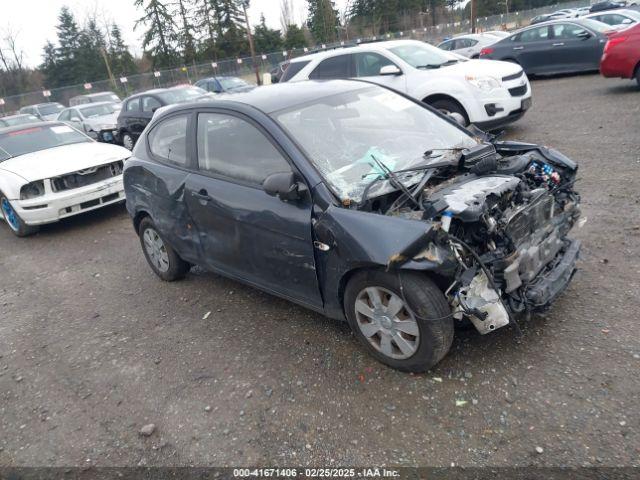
(483, 83)
(32, 190)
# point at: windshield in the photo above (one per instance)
(105, 97)
(230, 83)
(34, 139)
(50, 109)
(347, 134)
(97, 110)
(178, 95)
(421, 55)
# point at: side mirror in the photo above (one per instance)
(627, 21)
(284, 186)
(390, 70)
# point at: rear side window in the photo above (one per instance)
(534, 35)
(234, 148)
(168, 140)
(133, 105)
(293, 69)
(334, 67)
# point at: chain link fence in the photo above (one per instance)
(244, 67)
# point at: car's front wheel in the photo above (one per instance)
(11, 218)
(403, 319)
(163, 259)
(451, 109)
(127, 141)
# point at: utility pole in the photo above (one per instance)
(109, 72)
(473, 16)
(245, 5)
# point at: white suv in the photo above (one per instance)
(487, 93)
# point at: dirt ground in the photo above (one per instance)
(93, 346)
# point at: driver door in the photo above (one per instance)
(243, 231)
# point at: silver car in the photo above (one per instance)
(98, 120)
(469, 45)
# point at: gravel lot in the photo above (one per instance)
(93, 347)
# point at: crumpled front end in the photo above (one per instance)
(505, 218)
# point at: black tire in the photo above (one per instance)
(128, 141)
(428, 304)
(450, 106)
(176, 268)
(638, 75)
(17, 226)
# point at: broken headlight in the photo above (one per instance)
(32, 190)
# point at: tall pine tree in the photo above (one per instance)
(122, 63)
(160, 37)
(323, 20)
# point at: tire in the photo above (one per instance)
(127, 141)
(13, 220)
(162, 259)
(638, 75)
(426, 333)
(450, 107)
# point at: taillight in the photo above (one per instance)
(486, 51)
(612, 42)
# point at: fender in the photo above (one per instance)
(11, 183)
(367, 240)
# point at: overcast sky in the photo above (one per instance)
(35, 20)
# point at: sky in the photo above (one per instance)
(34, 21)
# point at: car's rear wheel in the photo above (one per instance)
(638, 75)
(163, 259)
(127, 141)
(403, 319)
(452, 109)
(13, 220)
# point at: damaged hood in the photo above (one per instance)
(478, 68)
(64, 159)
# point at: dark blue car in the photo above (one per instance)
(360, 203)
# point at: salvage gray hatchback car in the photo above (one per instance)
(360, 203)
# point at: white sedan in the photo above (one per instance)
(49, 171)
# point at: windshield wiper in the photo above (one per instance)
(429, 66)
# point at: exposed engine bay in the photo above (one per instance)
(500, 216)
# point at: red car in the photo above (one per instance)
(621, 57)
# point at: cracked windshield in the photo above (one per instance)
(354, 137)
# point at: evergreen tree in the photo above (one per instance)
(294, 38)
(323, 20)
(66, 63)
(122, 62)
(89, 61)
(207, 27)
(186, 30)
(266, 39)
(232, 40)
(160, 37)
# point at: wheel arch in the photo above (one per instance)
(138, 217)
(443, 96)
(438, 279)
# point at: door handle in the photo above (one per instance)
(518, 48)
(559, 44)
(201, 195)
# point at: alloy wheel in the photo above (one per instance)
(387, 323)
(127, 141)
(10, 216)
(156, 250)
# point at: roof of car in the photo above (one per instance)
(580, 21)
(281, 96)
(17, 115)
(26, 126)
(41, 104)
(368, 45)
